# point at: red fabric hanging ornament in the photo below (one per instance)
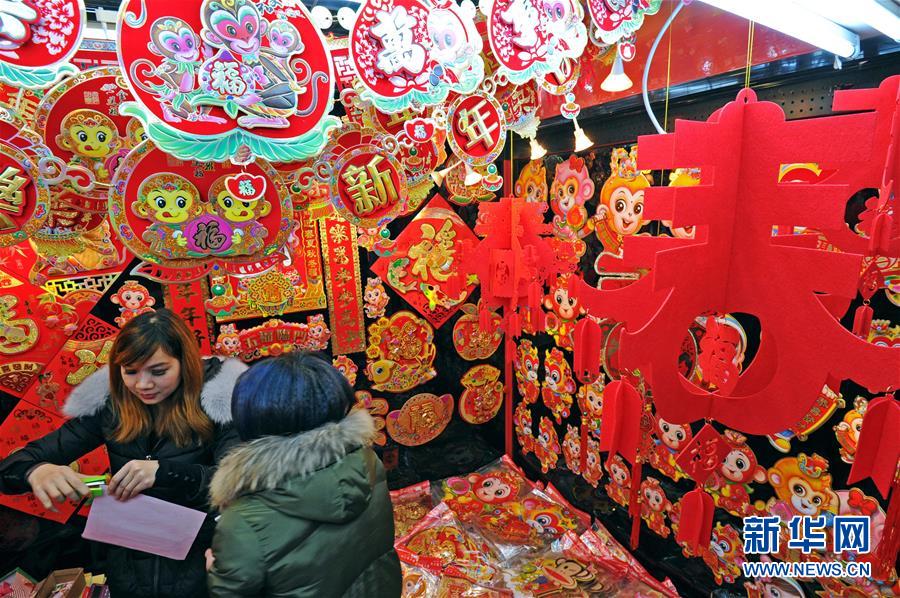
(513, 258)
(588, 350)
(878, 448)
(729, 268)
(699, 459)
(621, 435)
(878, 457)
(695, 524)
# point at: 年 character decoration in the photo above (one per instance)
(38, 39)
(219, 80)
(413, 53)
(186, 219)
(476, 131)
(424, 259)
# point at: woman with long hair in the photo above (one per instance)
(164, 415)
(304, 500)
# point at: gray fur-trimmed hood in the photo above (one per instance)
(277, 462)
(90, 396)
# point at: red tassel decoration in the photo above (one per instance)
(634, 503)
(885, 557)
(514, 325)
(695, 523)
(484, 319)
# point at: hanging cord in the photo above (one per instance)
(646, 74)
(668, 80)
(666, 111)
(750, 31)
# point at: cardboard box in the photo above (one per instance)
(47, 587)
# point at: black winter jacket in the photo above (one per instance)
(183, 476)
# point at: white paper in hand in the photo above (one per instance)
(144, 523)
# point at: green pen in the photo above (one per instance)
(96, 483)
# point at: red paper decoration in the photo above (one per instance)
(182, 216)
(514, 257)
(733, 268)
(224, 81)
(424, 259)
(39, 37)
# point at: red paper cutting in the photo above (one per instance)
(425, 258)
(82, 355)
(879, 169)
(733, 265)
(24, 424)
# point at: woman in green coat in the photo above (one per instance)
(304, 500)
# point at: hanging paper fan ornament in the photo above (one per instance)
(367, 183)
(476, 128)
(183, 218)
(264, 94)
(529, 41)
(24, 197)
(616, 20)
(413, 53)
(37, 41)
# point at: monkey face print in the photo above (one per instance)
(228, 79)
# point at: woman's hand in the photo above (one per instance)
(134, 477)
(210, 558)
(56, 483)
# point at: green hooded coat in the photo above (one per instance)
(305, 515)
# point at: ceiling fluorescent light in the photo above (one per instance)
(871, 12)
(796, 21)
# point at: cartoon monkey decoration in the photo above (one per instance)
(621, 208)
(93, 139)
(133, 300)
